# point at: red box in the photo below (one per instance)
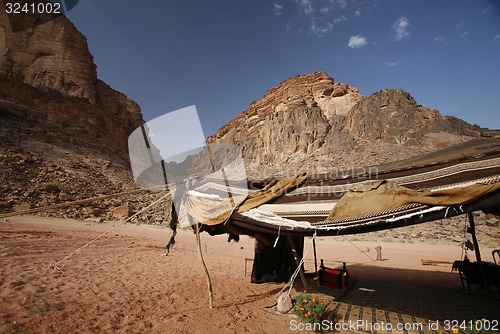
(334, 278)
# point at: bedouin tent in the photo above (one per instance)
(300, 206)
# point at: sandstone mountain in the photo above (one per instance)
(63, 132)
(312, 123)
(47, 76)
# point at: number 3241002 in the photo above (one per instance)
(477, 325)
(32, 8)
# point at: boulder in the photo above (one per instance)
(64, 196)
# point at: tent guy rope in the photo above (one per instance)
(352, 243)
(58, 266)
(296, 273)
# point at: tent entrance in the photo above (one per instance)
(275, 263)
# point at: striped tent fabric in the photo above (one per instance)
(461, 179)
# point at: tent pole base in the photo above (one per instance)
(476, 250)
(297, 262)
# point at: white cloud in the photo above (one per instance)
(357, 13)
(357, 41)
(340, 19)
(278, 9)
(306, 6)
(341, 3)
(497, 37)
(487, 9)
(460, 24)
(320, 31)
(333, 4)
(394, 63)
(400, 28)
(441, 40)
(464, 34)
(319, 14)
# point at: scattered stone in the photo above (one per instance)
(5, 205)
(94, 220)
(428, 235)
(64, 196)
(21, 207)
(122, 212)
(492, 222)
(51, 188)
(28, 193)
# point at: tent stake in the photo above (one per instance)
(297, 261)
(207, 274)
(476, 249)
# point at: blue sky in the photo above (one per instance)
(222, 55)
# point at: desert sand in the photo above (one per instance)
(123, 283)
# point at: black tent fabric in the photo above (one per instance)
(274, 264)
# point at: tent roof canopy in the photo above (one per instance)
(454, 181)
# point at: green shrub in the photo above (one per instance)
(309, 308)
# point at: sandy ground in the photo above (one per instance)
(122, 283)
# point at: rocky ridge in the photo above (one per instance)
(309, 122)
(450, 230)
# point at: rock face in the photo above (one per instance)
(47, 75)
(291, 122)
(63, 132)
(51, 57)
(394, 116)
(312, 123)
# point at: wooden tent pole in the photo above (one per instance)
(207, 274)
(315, 259)
(297, 261)
(476, 250)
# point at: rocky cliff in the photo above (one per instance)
(63, 132)
(312, 123)
(47, 75)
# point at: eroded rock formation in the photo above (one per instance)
(47, 75)
(312, 123)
